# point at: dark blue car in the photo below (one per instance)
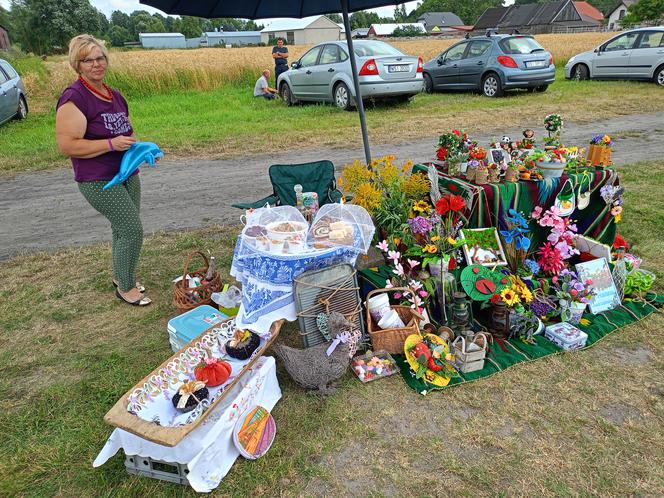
(491, 64)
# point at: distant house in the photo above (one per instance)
(360, 33)
(162, 40)
(439, 22)
(618, 12)
(589, 12)
(381, 30)
(535, 18)
(307, 31)
(224, 38)
(4, 38)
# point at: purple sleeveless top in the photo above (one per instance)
(105, 120)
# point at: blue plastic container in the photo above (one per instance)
(184, 328)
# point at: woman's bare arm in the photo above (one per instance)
(70, 125)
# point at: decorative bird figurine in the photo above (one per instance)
(319, 366)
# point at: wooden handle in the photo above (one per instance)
(188, 262)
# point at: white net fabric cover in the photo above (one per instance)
(279, 230)
(341, 225)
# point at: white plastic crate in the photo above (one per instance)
(156, 469)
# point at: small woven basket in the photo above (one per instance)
(184, 298)
(392, 340)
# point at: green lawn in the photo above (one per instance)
(229, 122)
(586, 423)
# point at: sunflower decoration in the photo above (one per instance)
(421, 207)
(510, 297)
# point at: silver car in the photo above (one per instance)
(636, 55)
(13, 102)
(323, 74)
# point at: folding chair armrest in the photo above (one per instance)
(271, 199)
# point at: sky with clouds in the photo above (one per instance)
(128, 6)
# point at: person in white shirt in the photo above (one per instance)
(262, 89)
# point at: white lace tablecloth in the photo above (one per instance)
(208, 451)
(267, 281)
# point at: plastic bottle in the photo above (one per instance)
(299, 203)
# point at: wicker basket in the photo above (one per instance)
(392, 340)
(185, 298)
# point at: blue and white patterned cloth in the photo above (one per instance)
(267, 281)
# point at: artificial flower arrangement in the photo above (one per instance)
(602, 141)
(553, 124)
(559, 245)
(573, 294)
(516, 242)
(386, 190)
(613, 196)
(406, 272)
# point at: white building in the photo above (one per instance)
(307, 31)
(162, 40)
(618, 12)
(388, 28)
(223, 38)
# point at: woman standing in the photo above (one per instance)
(92, 127)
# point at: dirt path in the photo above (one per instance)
(45, 211)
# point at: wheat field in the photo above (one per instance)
(143, 72)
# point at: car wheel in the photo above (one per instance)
(22, 111)
(286, 94)
(428, 83)
(342, 97)
(491, 86)
(659, 76)
(541, 88)
(580, 72)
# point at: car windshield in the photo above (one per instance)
(374, 49)
(520, 45)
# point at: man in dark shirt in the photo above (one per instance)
(280, 56)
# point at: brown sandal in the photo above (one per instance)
(143, 301)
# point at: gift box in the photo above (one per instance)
(187, 326)
(566, 335)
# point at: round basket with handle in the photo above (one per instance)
(392, 340)
(185, 298)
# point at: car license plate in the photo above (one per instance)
(403, 68)
(535, 64)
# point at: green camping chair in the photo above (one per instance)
(314, 177)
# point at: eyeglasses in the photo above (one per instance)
(89, 62)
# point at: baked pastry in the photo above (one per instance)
(243, 344)
(189, 395)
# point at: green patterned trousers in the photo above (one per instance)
(121, 206)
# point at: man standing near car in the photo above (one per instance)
(280, 56)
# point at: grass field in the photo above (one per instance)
(581, 424)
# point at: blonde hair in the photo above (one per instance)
(80, 46)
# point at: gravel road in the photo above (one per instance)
(45, 211)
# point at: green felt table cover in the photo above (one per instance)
(517, 351)
(488, 203)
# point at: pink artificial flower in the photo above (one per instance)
(412, 263)
(554, 280)
(616, 210)
(589, 281)
(382, 246)
(388, 284)
(537, 212)
(394, 255)
(415, 285)
(424, 294)
(397, 295)
(398, 270)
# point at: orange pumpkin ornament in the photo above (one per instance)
(213, 372)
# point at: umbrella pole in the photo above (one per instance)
(356, 82)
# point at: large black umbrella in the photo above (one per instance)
(262, 9)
